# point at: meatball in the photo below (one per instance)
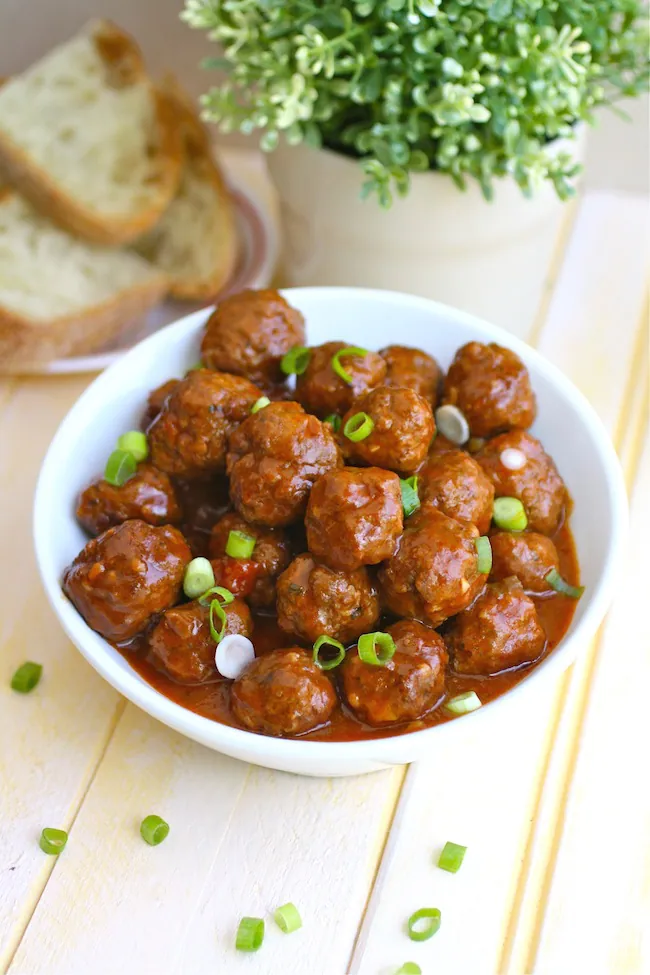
(271, 556)
(249, 333)
(499, 631)
(189, 436)
(126, 576)
(354, 517)
(536, 483)
(434, 572)
(402, 433)
(322, 391)
(412, 368)
(181, 645)
(526, 555)
(313, 600)
(155, 402)
(273, 460)
(203, 501)
(149, 495)
(406, 687)
(490, 385)
(455, 483)
(283, 693)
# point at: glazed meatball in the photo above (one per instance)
(313, 600)
(322, 391)
(273, 460)
(405, 688)
(189, 436)
(455, 483)
(155, 402)
(249, 333)
(181, 645)
(536, 482)
(412, 368)
(354, 517)
(283, 693)
(203, 501)
(526, 555)
(490, 385)
(149, 495)
(126, 576)
(434, 572)
(402, 433)
(499, 631)
(271, 556)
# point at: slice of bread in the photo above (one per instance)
(62, 296)
(195, 242)
(87, 138)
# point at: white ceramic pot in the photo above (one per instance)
(490, 259)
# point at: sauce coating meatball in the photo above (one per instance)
(248, 334)
(313, 599)
(526, 555)
(500, 630)
(455, 483)
(274, 458)
(155, 402)
(181, 644)
(412, 368)
(149, 495)
(490, 385)
(271, 555)
(402, 433)
(127, 575)
(283, 693)
(354, 517)
(434, 572)
(409, 685)
(322, 391)
(536, 483)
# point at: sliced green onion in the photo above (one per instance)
(120, 466)
(463, 703)
(334, 421)
(250, 934)
(452, 424)
(135, 442)
(260, 404)
(451, 857)
(509, 514)
(331, 663)
(287, 918)
(409, 968)
(216, 609)
(484, 552)
(358, 427)
(410, 498)
(556, 582)
(336, 362)
(423, 924)
(224, 594)
(240, 545)
(296, 360)
(370, 643)
(198, 577)
(26, 677)
(53, 841)
(154, 830)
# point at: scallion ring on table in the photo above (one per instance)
(154, 830)
(120, 467)
(463, 703)
(484, 553)
(358, 427)
(295, 361)
(452, 424)
(198, 578)
(135, 442)
(260, 403)
(451, 857)
(250, 934)
(288, 918)
(509, 514)
(376, 648)
(336, 362)
(240, 545)
(53, 841)
(423, 924)
(332, 662)
(560, 585)
(409, 968)
(26, 677)
(334, 421)
(224, 595)
(410, 497)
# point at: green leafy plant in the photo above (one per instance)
(472, 88)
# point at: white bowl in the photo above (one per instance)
(567, 426)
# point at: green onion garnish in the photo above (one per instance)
(334, 421)
(332, 662)
(419, 931)
(120, 466)
(410, 498)
(484, 552)
(463, 703)
(199, 576)
(409, 968)
(216, 609)
(260, 404)
(26, 677)
(135, 442)
(451, 857)
(358, 427)
(154, 830)
(509, 514)
(250, 934)
(240, 545)
(296, 360)
(287, 918)
(336, 362)
(224, 594)
(376, 648)
(556, 582)
(53, 841)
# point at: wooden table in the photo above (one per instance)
(555, 813)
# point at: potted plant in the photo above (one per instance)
(462, 118)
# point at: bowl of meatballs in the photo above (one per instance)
(325, 529)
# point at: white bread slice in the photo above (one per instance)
(195, 242)
(86, 137)
(62, 296)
